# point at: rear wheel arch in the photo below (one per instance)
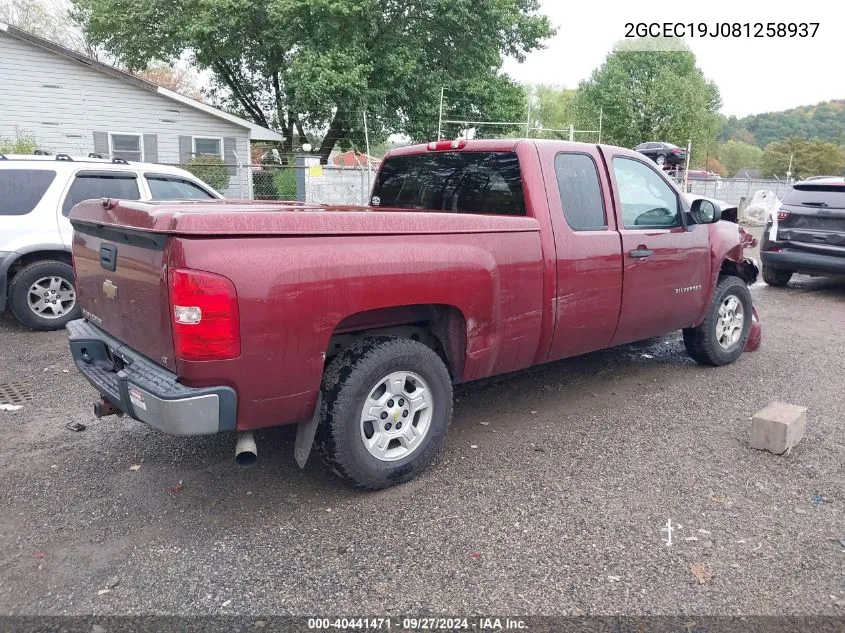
(31, 257)
(440, 327)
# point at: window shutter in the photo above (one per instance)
(229, 155)
(101, 142)
(151, 148)
(185, 149)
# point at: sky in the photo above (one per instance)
(754, 75)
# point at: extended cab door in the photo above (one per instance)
(666, 266)
(588, 261)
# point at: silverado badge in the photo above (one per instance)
(110, 290)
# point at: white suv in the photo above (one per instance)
(36, 194)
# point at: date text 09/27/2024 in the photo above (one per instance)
(721, 29)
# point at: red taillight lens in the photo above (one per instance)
(783, 215)
(204, 313)
(677, 150)
(441, 145)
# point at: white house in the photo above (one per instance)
(76, 105)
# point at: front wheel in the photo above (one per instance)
(387, 403)
(721, 337)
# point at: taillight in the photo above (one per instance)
(783, 215)
(441, 145)
(677, 150)
(204, 313)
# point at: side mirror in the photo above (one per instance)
(704, 212)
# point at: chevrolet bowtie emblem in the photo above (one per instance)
(110, 290)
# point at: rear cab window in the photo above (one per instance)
(580, 192)
(487, 183)
(22, 189)
(101, 184)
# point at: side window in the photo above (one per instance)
(647, 200)
(22, 189)
(580, 192)
(88, 185)
(164, 188)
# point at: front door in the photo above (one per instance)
(666, 266)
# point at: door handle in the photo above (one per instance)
(641, 253)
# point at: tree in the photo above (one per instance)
(809, 158)
(210, 169)
(183, 80)
(736, 155)
(315, 67)
(647, 93)
(50, 19)
(552, 109)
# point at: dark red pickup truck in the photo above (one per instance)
(475, 258)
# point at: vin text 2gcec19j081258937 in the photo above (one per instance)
(475, 258)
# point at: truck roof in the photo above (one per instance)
(501, 145)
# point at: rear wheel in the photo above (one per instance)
(42, 295)
(775, 276)
(660, 160)
(387, 403)
(721, 337)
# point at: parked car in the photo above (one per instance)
(36, 195)
(355, 322)
(807, 235)
(663, 153)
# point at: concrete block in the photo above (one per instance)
(778, 427)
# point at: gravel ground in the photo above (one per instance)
(549, 497)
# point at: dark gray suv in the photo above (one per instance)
(808, 234)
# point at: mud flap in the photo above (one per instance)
(305, 432)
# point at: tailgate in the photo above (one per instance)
(813, 218)
(121, 281)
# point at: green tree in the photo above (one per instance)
(316, 66)
(552, 109)
(809, 158)
(736, 155)
(651, 95)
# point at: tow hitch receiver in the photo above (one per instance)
(105, 407)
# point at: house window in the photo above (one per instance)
(208, 146)
(126, 146)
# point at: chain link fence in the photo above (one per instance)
(320, 184)
(735, 190)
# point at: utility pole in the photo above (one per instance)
(528, 116)
(789, 169)
(601, 112)
(440, 119)
(369, 158)
(686, 166)
(571, 132)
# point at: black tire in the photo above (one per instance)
(20, 287)
(775, 276)
(660, 160)
(701, 341)
(347, 383)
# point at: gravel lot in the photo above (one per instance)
(549, 497)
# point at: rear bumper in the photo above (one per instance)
(145, 391)
(804, 261)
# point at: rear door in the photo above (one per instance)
(95, 184)
(588, 261)
(666, 267)
(815, 220)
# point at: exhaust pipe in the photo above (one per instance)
(246, 452)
